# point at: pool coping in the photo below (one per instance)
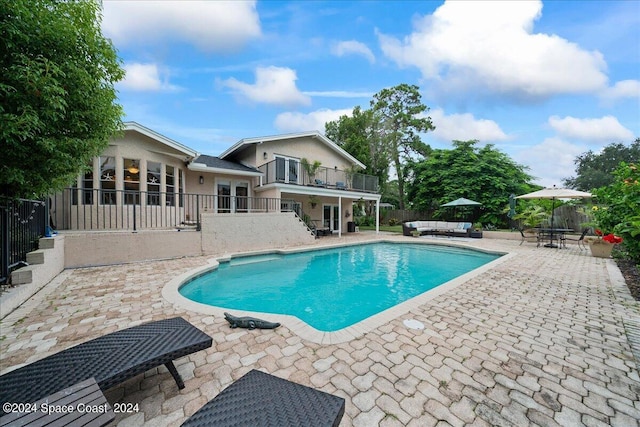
(170, 292)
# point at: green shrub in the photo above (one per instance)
(393, 221)
(618, 209)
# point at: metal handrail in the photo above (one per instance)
(290, 171)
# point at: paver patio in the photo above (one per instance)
(538, 340)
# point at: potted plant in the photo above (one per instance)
(313, 201)
(310, 168)
(531, 217)
(601, 245)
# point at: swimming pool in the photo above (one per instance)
(332, 289)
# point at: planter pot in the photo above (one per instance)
(601, 249)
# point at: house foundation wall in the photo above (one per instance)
(84, 249)
(229, 233)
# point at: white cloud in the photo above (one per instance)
(274, 85)
(464, 127)
(352, 47)
(301, 122)
(339, 94)
(145, 78)
(551, 161)
(491, 47)
(213, 26)
(622, 89)
(606, 129)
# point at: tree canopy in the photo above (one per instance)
(356, 135)
(386, 134)
(398, 113)
(595, 170)
(57, 99)
(483, 174)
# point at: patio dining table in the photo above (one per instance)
(552, 234)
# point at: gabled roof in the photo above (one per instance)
(206, 163)
(312, 134)
(188, 152)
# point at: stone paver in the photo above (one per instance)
(537, 340)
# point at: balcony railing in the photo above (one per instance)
(290, 171)
(93, 209)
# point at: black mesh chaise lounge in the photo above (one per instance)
(579, 240)
(259, 399)
(110, 359)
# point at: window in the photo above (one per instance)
(131, 178)
(108, 180)
(180, 187)
(153, 183)
(224, 197)
(242, 193)
(87, 187)
(170, 185)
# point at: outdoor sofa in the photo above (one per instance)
(109, 359)
(459, 229)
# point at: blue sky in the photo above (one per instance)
(542, 82)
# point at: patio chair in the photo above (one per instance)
(531, 239)
(110, 359)
(580, 240)
(259, 399)
(319, 230)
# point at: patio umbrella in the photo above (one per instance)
(554, 193)
(512, 206)
(460, 202)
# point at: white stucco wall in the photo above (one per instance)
(114, 247)
(229, 233)
(307, 147)
(32, 278)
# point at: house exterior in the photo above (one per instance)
(145, 180)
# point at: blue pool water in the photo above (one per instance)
(333, 288)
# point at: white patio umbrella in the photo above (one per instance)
(554, 193)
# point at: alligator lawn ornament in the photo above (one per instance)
(249, 322)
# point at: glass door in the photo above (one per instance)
(287, 169)
(331, 217)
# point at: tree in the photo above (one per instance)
(595, 170)
(357, 136)
(57, 99)
(484, 174)
(398, 114)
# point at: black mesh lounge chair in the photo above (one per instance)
(262, 400)
(532, 238)
(580, 240)
(110, 359)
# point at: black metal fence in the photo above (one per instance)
(92, 209)
(24, 222)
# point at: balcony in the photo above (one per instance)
(289, 171)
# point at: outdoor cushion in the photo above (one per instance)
(110, 359)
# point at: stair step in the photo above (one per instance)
(36, 257)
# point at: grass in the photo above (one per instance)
(389, 228)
